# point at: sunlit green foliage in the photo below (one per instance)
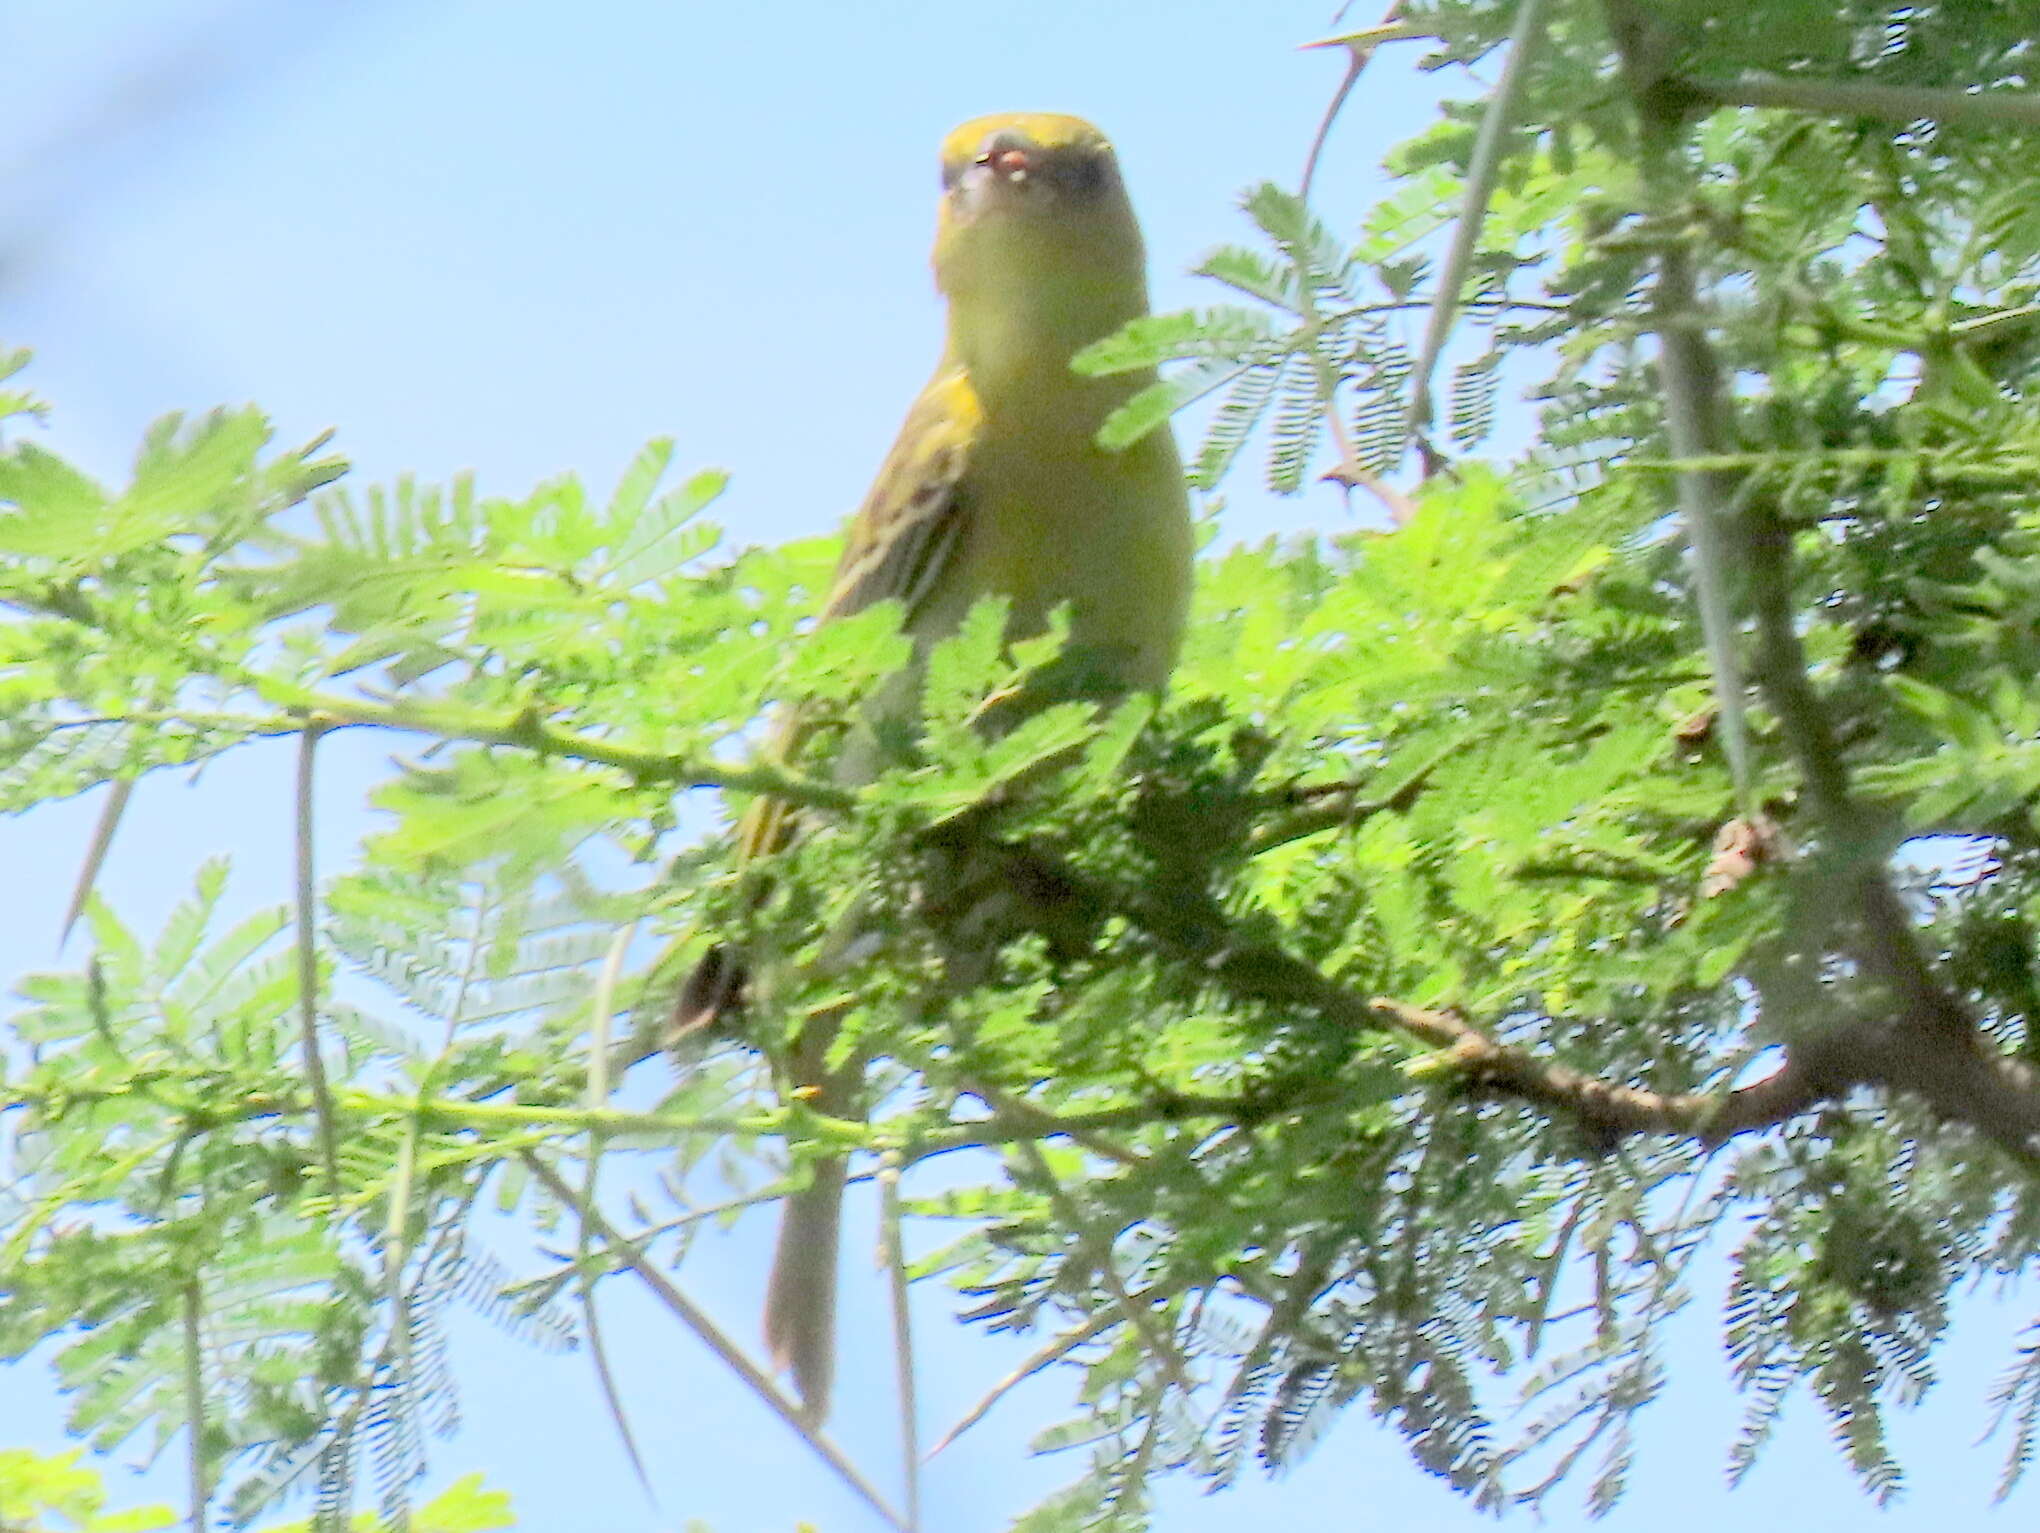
(1464, 764)
(35, 1487)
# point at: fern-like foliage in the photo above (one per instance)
(1170, 988)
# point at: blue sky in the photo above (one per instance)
(522, 239)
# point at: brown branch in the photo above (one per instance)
(1960, 1079)
(1997, 1096)
(1192, 929)
(1611, 1110)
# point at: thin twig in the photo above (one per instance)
(714, 1338)
(1013, 1109)
(1162, 1348)
(1495, 301)
(120, 790)
(597, 1098)
(1350, 471)
(450, 721)
(397, 1250)
(529, 731)
(1546, 1277)
(1359, 48)
(893, 1257)
(707, 1211)
(1100, 1322)
(194, 1400)
(1481, 174)
(308, 963)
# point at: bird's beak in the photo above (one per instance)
(1007, 168)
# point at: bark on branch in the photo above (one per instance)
(1931, 1047)
(1610, 1110)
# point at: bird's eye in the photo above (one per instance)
(1007, 162)
(1086, 175)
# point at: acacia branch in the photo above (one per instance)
(528, 730)
(1196, 933)
(1339, 805)
(1611, 1110)
(1901, 104)
(1359, 48)
(1995, 1095)
(1963, 1080)
(1932, 1049)
(1755, 540)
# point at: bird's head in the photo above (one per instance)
(1033, 207)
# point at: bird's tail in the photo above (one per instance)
(800, 1296)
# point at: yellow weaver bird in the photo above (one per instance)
(996, 486)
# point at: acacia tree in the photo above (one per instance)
(1500, 907)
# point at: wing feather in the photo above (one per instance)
(895, 549)
(907, 526)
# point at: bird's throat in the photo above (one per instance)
(1016, 349)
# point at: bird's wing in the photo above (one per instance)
(906, 528)
(900, 544)
(896, 548)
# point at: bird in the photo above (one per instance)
(996, 486)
